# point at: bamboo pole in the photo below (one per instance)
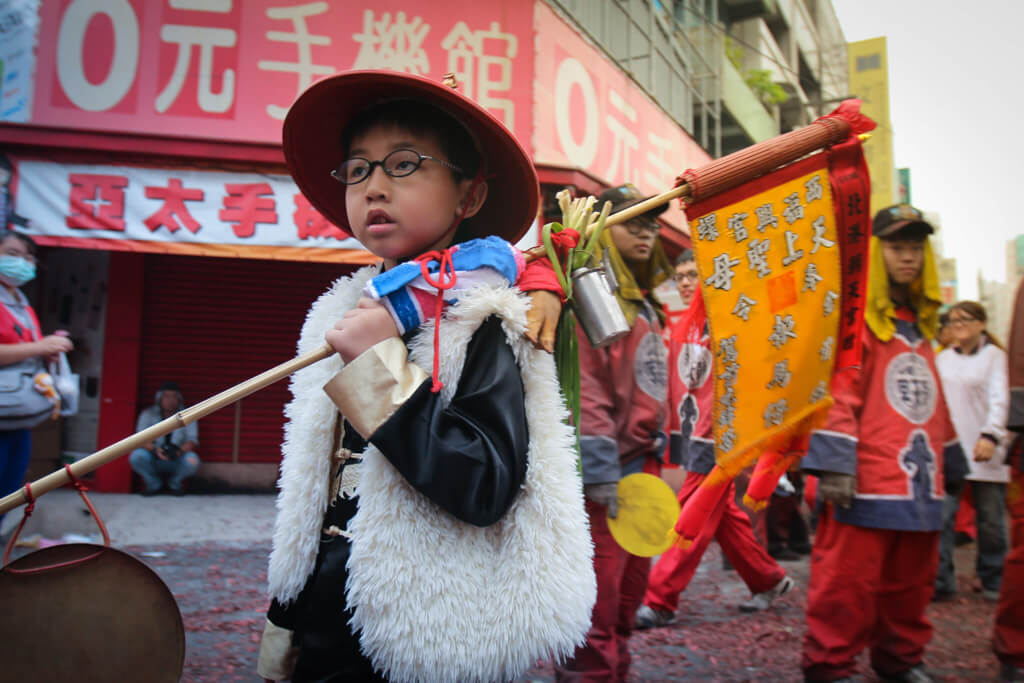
(188, 416)
(625, 215)
(648, 204)
(59, 478)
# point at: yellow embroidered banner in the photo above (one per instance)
(768, 255)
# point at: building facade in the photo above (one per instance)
(998, 297)
(142, 143)
(733, 72)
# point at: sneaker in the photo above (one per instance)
(149, 492)
(762, 601)
(648, 617)
(915, 674)
(177, 491)
(989, 595)
(943, 596)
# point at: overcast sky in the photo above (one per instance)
(957, 103)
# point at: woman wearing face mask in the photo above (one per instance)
(23, 348)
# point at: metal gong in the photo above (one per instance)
(83, 612)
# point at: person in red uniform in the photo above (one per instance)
(623, 388)
(1008, 636)
(884, 458)
(691, 392)
(686, 279)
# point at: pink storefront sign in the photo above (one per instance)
(228, 70)
(588, 114)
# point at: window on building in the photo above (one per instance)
(869, 62)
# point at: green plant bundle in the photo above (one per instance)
(567, 364)
(578, 215)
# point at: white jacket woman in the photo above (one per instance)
(975, 384)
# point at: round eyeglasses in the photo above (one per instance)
(638, 227)
(397, 164)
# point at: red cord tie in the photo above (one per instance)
(29, 509)
(31, 500)
(75, 481)
(82, 488)
(445, 280)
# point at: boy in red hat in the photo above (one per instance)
(622, 422)
(430, 518)
(884, 459)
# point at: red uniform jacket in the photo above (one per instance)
(890, 427)
(691, 391)
(623, 389)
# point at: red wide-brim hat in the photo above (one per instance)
(312, 146)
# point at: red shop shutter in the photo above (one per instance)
(211, 323)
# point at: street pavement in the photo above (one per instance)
(211, 551)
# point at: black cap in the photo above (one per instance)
(170, 386)
(625, 196)
(901, 221)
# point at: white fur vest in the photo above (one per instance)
(435, 598)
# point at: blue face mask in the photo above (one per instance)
(16, 271)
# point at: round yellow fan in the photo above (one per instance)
(647, 510)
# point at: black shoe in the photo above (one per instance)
(149, 492)
(801, 548)
(962, 538)
(783, 553)
(177, 491)
(943, 596)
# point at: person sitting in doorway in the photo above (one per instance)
(172, 456)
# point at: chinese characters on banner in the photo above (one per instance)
(769, 259)
(155, 208)
(229, 70)
(589, 114)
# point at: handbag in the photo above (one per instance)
(22, 406)
(67, 384)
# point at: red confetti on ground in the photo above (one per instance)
(221, 592)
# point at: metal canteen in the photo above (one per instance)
(596, 307)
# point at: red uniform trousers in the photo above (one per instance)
(621, 581)
(868, 588)
(728, 525)
(1008, 639)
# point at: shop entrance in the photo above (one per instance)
(210, 323)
